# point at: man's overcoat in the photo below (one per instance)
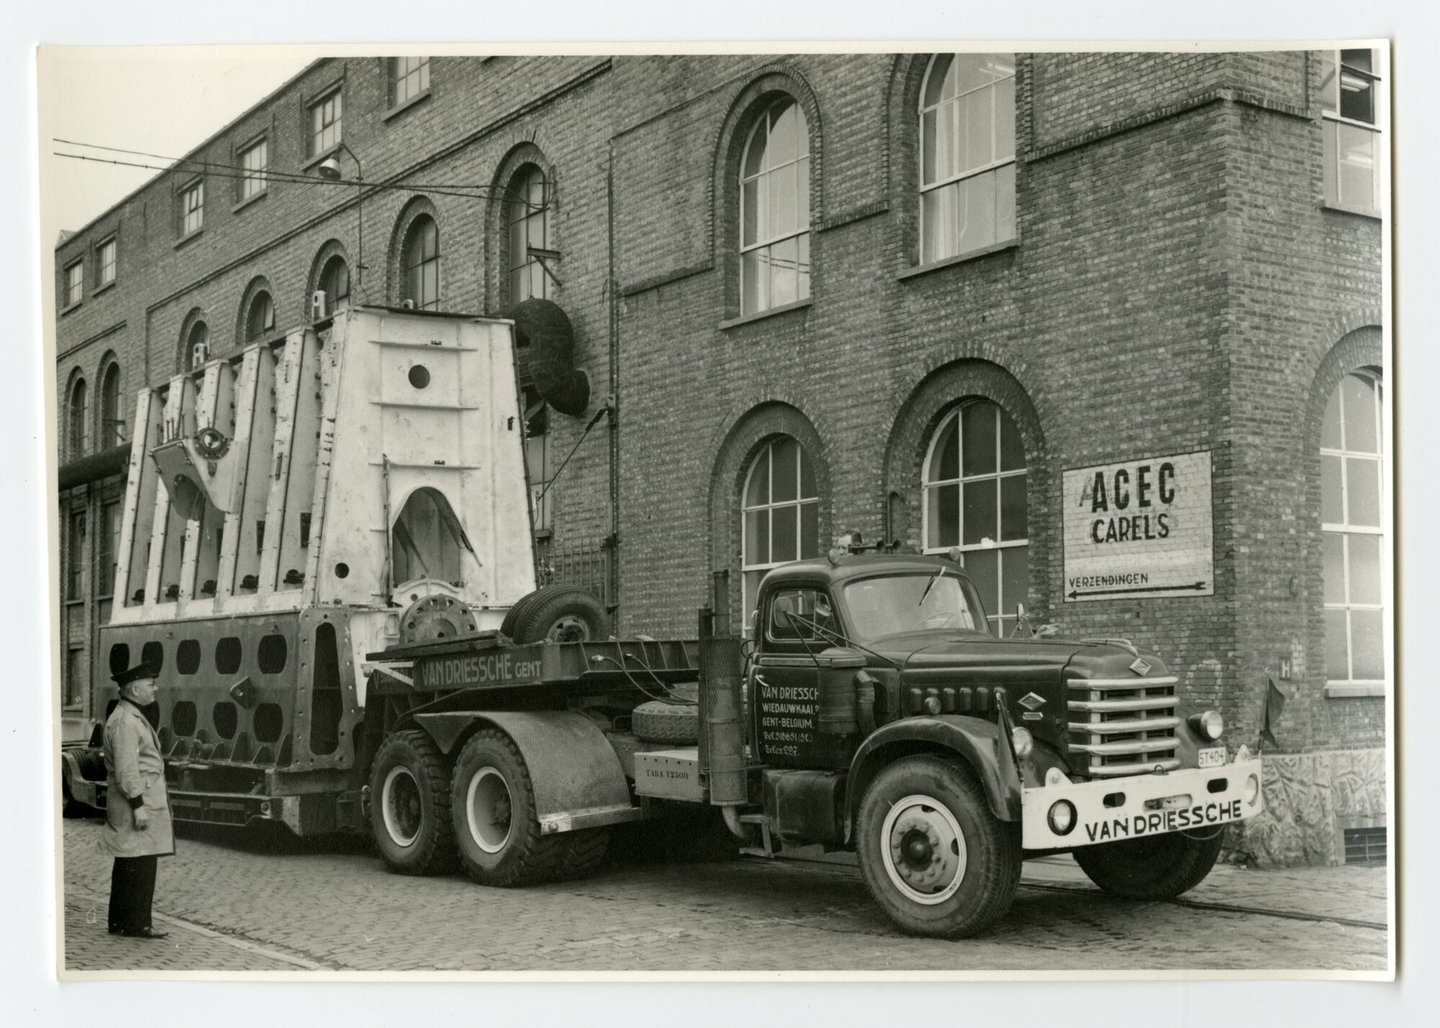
(134, 767)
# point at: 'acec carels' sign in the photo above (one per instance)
(1141, 528)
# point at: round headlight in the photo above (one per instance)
(1209, 725)
(1061, 817)
(1252, 790)
(1023, 741)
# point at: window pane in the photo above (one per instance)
(944, 516)
(785, 454)
(983, 568)
(946, 462)
(1330, 427)
(749, 211)
(1331, 509)
(1367, 651)
(1004, 203)
(785, 275)
(1359, 403)
(978, 434)
(928, 147)
(1329, 81)
(782, 534)
(754, 286)
(810, 530)
(1337, 646)
(802, 193)
(979, 500)
(940, 223)
(784, 143)
(757, 537)
(757, 489)
(1365, 569)
(807, 476)
(1014, 513)
(935, 80)
(1357, 166)
(976, 204)
(978, 130)
(1357, 96)
(1334, 546)
(1330, 139)
(1014, 578)
(971, 72)
(1012, 447)
(1362, 491)
(1005, 118)
(802, 271)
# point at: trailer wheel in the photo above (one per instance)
(1156, 867)
(656, 721)
(565, 615)
(493, 812)
(933, 856)
(409, 805)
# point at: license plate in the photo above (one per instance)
(1213, 757)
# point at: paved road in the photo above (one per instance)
(238, 902)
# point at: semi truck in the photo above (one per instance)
(325, 558)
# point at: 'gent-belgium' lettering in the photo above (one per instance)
(1119, 491)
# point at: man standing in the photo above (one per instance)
(138, 828)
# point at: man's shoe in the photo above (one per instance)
(146, 933)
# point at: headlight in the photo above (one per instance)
(1209, 725)
(1252, 790)
(1023, 741)
(1061, 817)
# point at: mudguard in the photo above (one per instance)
(576, 777)
(983, 745)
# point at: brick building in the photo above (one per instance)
(1110, 323)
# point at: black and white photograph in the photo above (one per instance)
(711, 512)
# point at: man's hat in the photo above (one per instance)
(133, 674)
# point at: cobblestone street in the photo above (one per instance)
(238, 902)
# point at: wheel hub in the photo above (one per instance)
(400, 806)
(925, 854)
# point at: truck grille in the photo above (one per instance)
(1123, 726)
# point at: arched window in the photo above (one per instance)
(79, 412)
(975, 498)
(775, 210)
(420, 264)
(1352, 490)
(967, 154)
(112, 422)
(197, 346)
(528, 229)
(335, 284)
(779, 513)
(260, 317)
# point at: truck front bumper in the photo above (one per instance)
(1189, 799)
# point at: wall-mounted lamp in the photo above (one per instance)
(329, 169)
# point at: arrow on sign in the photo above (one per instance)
(1138, 589)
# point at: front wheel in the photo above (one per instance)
(933, 856)
(1156, 867)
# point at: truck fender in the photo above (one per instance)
(982, 745)
(576, 777)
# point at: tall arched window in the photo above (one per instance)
(112, 422)
(420, 264)
(335, 284)
(780, 512)
(775, 210)
(78, 411)
(967, 154)
(528, 228)
(975, 498)
(1352, 490)
(260, 317)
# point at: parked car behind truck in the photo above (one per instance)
(324, 557)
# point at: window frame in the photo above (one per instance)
(315, 145)
(107, 559)
(953, 182)
(75, 530)
(77, 412)
(412, 270)
(102, 281)
(254, 332)
(331, 301)
(517, 199)
(111, 428)
(1333, 122)
(799, 502)
(766, 236)
(1346, 530)
(72, 283)
(186, 212)
(999, 620)
(395, 76)
(253, 183)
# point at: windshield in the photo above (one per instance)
(930, 601)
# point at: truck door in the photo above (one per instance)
(786, 677)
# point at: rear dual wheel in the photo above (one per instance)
(410, 805)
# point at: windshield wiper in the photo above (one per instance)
(931, 584)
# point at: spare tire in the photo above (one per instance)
(560, 613)
(656, 721)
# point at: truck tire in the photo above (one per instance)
(584, 851)
(561, 614)
(410, 804)
(656, 721)
(934, 858)
(1157, 867)
(493, 813)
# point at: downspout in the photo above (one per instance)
(614, 318)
